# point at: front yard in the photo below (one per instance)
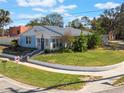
(41, 78)
(14, 51)
(98, 57)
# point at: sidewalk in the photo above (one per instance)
(105, 74)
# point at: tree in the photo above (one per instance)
(120, 26)
(34, 22)
(109, 19)
(94, 40)
(96, 26)
(53, 19)
(67, 39)
(86, 22)
(80, 44)
(76, 23)
(112, 20)
(4, 19)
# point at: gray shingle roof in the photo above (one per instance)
(57, 31)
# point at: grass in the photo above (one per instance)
(119, 81)
(41, 78)
(98, 57)
(18, 51)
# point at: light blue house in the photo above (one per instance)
(46, 37)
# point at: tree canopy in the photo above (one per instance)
(53, 19)
(4, 19)
(112, 20)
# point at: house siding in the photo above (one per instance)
(22, 42)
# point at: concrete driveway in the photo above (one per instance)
(116, 90)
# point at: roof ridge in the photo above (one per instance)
(52, 30)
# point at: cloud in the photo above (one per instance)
(107, 5)
(32, 3)
(67, 15)
(3, 1)
(29, 16)
(12, 13)
(62, 9)
(61, 1)
(69, 7)
(39, 10)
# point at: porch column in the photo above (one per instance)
(51, 44)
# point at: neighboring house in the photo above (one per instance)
(46, 37)
(111, 36)
(15, 31)
(6, 32)
(7, 40)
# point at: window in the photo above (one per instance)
(28, 40)
(18, 32)
(53, 40)
(56, 43)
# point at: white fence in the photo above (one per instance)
(6, 40)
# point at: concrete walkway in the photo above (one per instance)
(105, 74)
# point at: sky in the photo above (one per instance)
(22, 11)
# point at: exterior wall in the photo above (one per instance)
(22, 42)
(13, 31)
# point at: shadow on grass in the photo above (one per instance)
(61, 85)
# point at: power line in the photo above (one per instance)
(89, 11)
(75, 14)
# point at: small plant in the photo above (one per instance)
(94, 40)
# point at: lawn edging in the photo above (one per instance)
(75, 68)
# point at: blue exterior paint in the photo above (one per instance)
(22, 42)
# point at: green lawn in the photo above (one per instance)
(98, 57)
(41, 78)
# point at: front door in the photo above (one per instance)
(40, 43)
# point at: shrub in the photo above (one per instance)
(80, 44)
(65, 50)
(14, 43)
(47, 51)
(94, 40)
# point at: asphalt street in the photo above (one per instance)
(7, 87)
